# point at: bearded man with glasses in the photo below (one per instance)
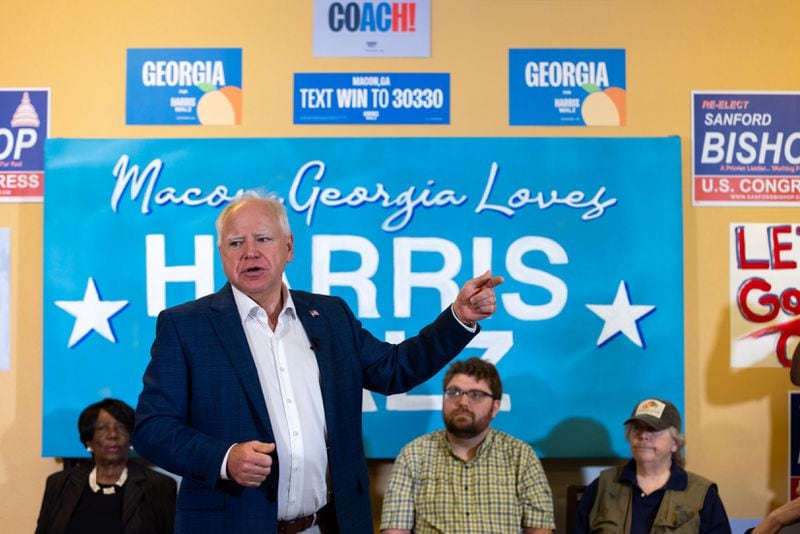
(468, 478)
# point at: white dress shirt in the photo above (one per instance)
(289, 377)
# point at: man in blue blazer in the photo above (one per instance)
(253, 394)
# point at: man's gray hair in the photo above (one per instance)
(270, 200)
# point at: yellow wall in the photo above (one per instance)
(735, 420)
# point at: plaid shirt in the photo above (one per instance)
(501, 490)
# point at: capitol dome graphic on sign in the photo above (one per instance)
(25, 115)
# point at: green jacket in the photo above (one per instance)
(679, 512)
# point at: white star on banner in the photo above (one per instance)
(621, 316)
(91, 313)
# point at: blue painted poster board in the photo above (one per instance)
(587, 233)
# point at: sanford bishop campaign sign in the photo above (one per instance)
(587, 233)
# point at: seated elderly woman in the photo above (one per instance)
(113, 494)
(652, 492)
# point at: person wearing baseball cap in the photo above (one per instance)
(652, 492)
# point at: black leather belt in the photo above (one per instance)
(300, 524)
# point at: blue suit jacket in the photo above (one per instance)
(202, 394)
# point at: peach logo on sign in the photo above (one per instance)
(603, 107)
(221, 106)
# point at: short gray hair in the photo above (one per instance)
(270, 200)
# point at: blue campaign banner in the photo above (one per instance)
(587, 233)
(745, 148)
(372, 98)
(184, 86)
(24, 127)
(567, 87)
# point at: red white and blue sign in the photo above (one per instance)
(184, 86)
(589, 319)
(372, 98)
(567, 87)
(745, 148)
(359, 28)
(765, 293)
(24, 127)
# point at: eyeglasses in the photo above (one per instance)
(473, 395)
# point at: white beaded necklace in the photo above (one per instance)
(110, 490)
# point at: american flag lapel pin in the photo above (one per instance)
(314, 313)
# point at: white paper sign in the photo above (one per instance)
(372, 29)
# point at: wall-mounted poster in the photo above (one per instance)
(184, 86)
(364, 28)
(765, 295)
(567, 87)
(745, 148)
(372, 98)
(589, 319)
(24, 127)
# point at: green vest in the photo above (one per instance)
(679, 512)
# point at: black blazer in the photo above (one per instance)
(148, 506)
